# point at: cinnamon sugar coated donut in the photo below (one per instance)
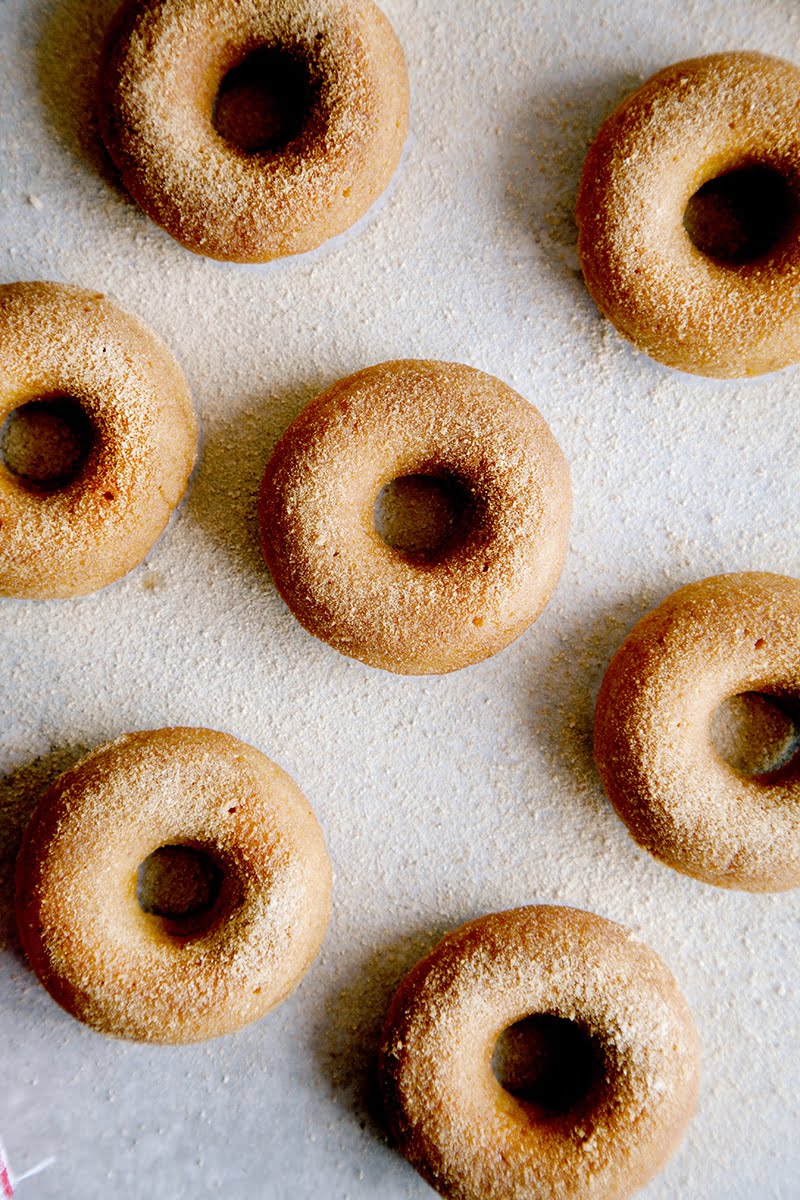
(471, 1138)
(65, 345)
(731, 118)
(334, 127)
(416, 613)
(156, 978)
(709, 641)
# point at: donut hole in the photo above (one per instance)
(425, 516)
(264, 102)
(182, 886)
(756, 734)
(46, 443)
(549, 1063)
(741, 216)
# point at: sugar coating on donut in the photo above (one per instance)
(131, 974)
(707, 642)
(161, 75)
(400, 611)
(693, 122)
(473, 1140)
(60, 341)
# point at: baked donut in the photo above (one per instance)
(474, 1140)
(707, 119)
(64, 344)
(416, 613)
(161, 978)
(707, 642)
(332, 135)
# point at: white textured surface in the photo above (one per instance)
(441, 798)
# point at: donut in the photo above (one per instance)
(416, 613)
(163, 977)
(562, 970)
(707, 642)
(727, 119)
(332, 133)
(128, 396)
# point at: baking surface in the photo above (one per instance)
(441, 798)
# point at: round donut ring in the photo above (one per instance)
(57, 342)
(416, 614)
(693, 122)
(163, 66)
(705, 643)
(129, 973)
(473, 1140)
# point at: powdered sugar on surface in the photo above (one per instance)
(441, 798)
